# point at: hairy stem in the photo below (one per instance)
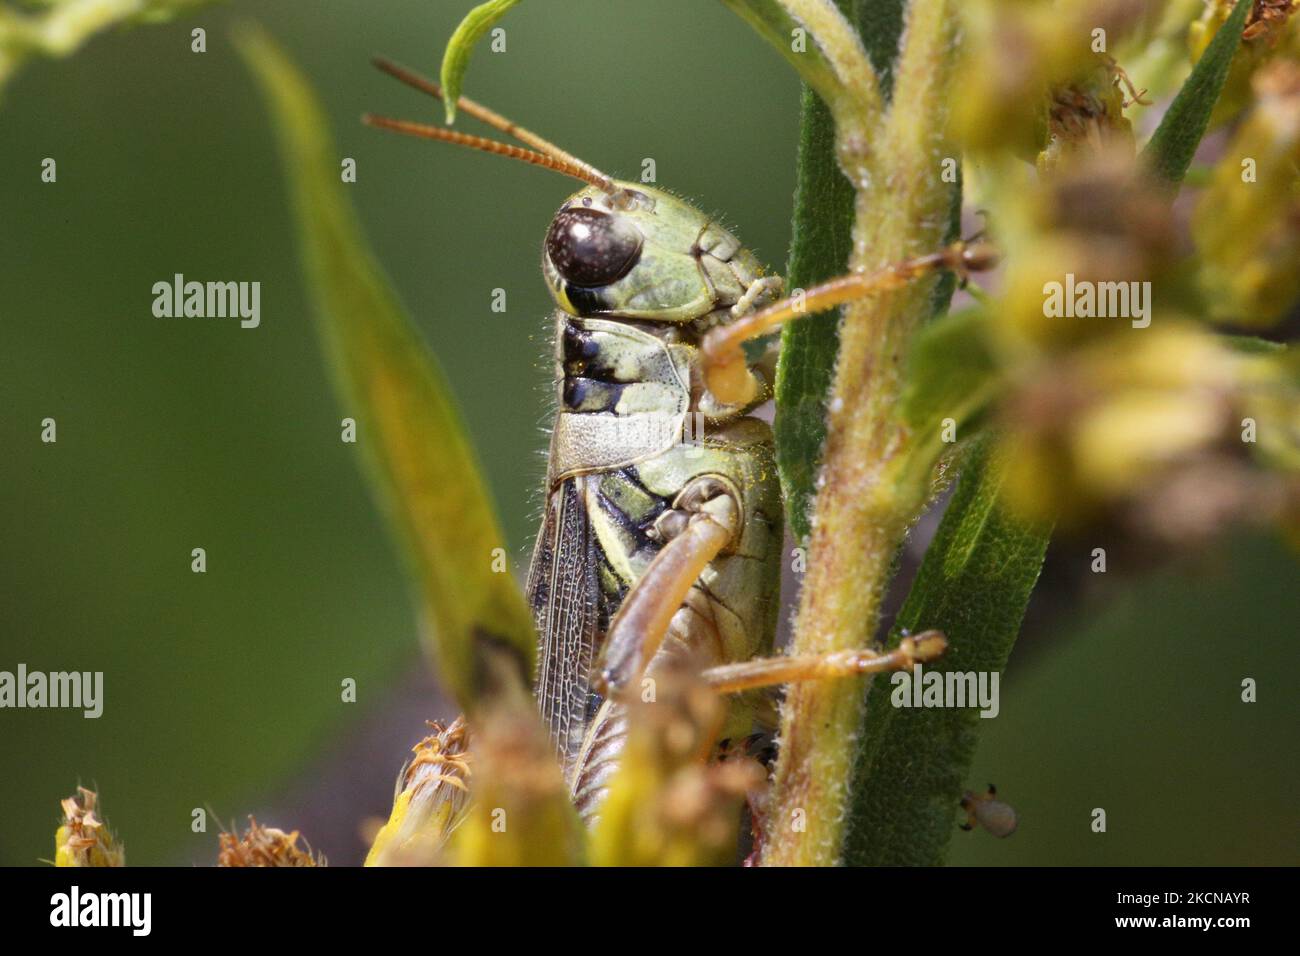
(863, 509)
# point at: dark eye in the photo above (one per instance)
(592, 248)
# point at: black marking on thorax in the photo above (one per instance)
(589, 383)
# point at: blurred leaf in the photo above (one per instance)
(973, 585)
(62, 28)
(952, 373)
(1174, 142)
(422, 466)
(455, 59)
(1252, 344)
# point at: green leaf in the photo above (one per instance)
(952, 373)
(1170, 151)
(424, 471)
(819, 248)
(60, 29)
(455, 59)
(973, 585)
(1253, 344)
(880, 24)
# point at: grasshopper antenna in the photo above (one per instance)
(543, 153)
(601, 182)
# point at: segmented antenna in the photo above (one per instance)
(544, 153)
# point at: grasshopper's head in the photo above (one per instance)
(640, 253)
(617, 249)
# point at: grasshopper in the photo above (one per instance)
(661, 540)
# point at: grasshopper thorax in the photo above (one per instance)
(641, 253)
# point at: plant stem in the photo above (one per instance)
(862, 510)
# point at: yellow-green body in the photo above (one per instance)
(635, 426)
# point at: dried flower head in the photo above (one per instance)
(1266, 19)
(431, 793)
(1087, 114)
(84, 839)
(265, 846)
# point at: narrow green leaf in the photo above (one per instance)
(1170, 151)
(422, 466)
(973, 585)
(880, 24)
(455, 59)
(819, 249)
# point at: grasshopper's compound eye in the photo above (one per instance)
(591, 248)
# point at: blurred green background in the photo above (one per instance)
(222, 689)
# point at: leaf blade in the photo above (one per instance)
(423, 470)
(974, 585)
(456, 56)
(1171, 148)
(819, 249)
